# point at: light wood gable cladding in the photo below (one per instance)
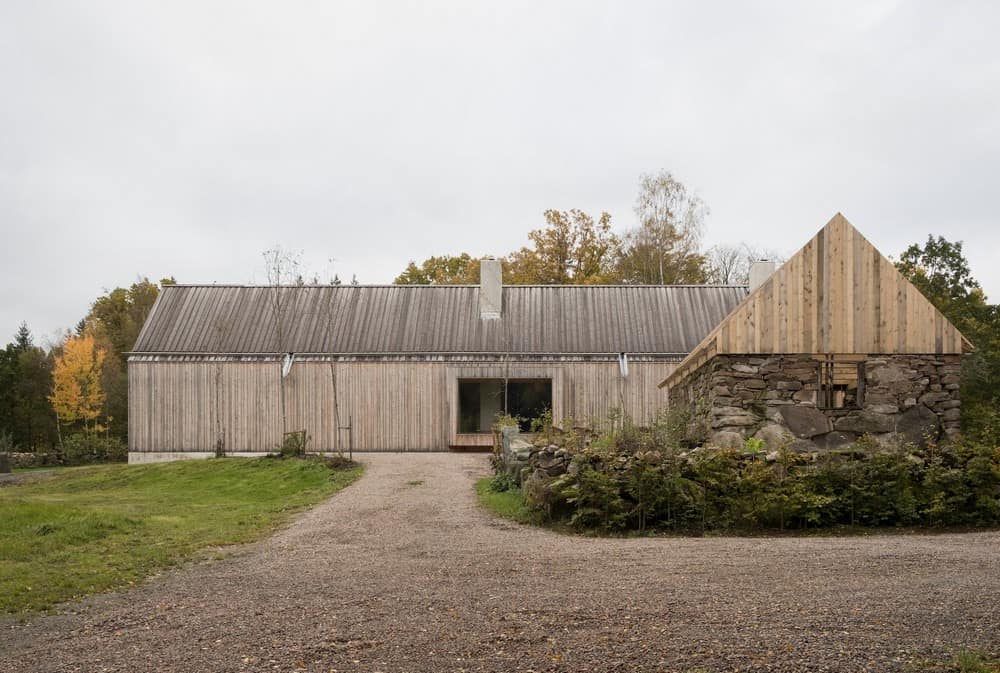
(838, 294)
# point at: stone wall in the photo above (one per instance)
(773, 398)
(18, 459)
(523, 459)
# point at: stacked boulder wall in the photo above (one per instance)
(909, 398)
(522, 459)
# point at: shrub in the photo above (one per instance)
(646, 486)
(81, 449)
(627, 479)
(337, 462)
(680, 428)
(596, 500)
(502, 482)
(293, 444)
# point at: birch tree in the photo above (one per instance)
(76, 391)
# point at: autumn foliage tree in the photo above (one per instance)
(77, 395)
(573, 249)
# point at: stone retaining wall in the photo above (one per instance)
(20, 459)
(522, 458)
(773, 398)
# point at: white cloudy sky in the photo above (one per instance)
(184, 138)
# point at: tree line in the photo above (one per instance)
(575, 248)
(74, 392)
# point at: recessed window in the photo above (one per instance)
(841, 382)
(481, 401)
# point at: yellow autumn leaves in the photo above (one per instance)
(76, 392)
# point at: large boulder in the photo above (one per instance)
(727, 439)
(918, 425)
(774, 436)
(805, 422)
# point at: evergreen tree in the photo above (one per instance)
(22, 339)
(10, 376)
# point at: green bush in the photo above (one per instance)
(293, 444)
(502, 482)
(627, 480)
(82, 449)
(596, 501)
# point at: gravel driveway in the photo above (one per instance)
(402, 572)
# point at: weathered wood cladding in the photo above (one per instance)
(179, 406)
(837, 294)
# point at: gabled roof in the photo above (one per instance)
(413, 319)
(838, 294)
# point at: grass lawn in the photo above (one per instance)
(507, 504)
(91, 529)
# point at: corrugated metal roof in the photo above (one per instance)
(395, 319)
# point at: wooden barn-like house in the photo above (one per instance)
(230, 369)
(834, 345)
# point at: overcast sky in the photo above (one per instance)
(173, 138)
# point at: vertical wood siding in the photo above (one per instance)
(394, 406)
(837, 294)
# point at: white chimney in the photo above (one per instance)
(490, 288)
(760, 271)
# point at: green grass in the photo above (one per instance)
(507, 504)
(972, 661)
(93, 529)
(963, 660)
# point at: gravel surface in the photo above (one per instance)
(403, 572)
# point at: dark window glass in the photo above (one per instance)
(481, 401)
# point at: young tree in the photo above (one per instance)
(283, 267)
(572, 249)
(664, 248)
(76, 394)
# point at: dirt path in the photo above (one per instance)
(402, 572)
